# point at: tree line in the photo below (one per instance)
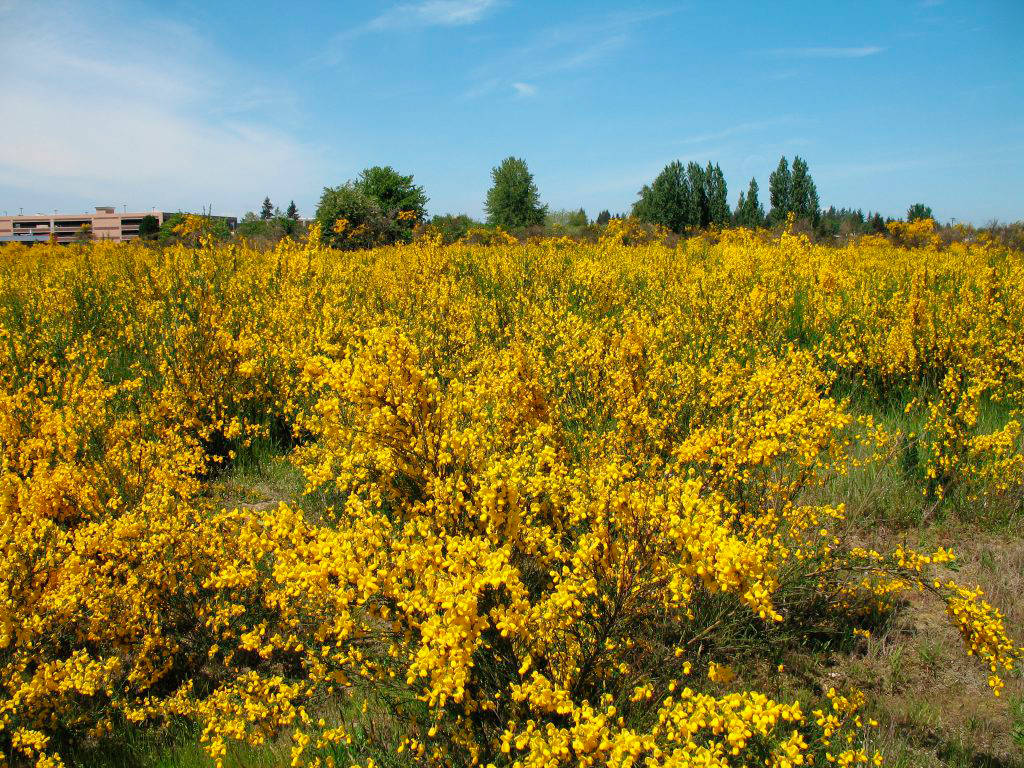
(693, 198)
(382, 206)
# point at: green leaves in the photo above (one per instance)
(513, 201)
(380, 207)
(680, 199)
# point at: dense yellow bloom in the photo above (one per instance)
(540, 478)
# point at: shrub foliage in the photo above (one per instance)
(555, 492)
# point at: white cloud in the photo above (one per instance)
(150, 119)
(524, 89)
(825, 52)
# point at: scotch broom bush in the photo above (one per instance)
(563, 488)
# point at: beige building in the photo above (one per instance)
(105, 224)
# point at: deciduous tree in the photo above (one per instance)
(350, 219)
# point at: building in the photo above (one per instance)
(105, 224)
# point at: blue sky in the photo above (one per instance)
(180, 104)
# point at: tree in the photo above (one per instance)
(749, 212)
(690, 198)
(717, 196)
(148, 227)
(566, 222)
(513, 201)
(450, 227)
(267, 212)
(840, 223)
(793, 192)
(380, 207)
(399, 200)
(351, 219)
(255, 227)
(293, 211)
(780, 187)
(266, 231)
(803, 195)
(668, 199)
(393, 191)
(287, 225)
(919, 211)
(603, 218)
(699, 215)
(252, 226)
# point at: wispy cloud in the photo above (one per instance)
(524, 89)
(426, 13)
(432, 13)
(828, 52)
(740, 129)
(148, 119)
(559, 49)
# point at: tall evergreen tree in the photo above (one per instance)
(699, 216)
(668, 199)
(803, 194)
(749, 212)
(293, 211)
(267, 212)
(513, 200)
(780, 187)
(717, 195)
(603, 218)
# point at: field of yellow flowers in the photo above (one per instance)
(557, 496)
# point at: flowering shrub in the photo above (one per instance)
(549, 477)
